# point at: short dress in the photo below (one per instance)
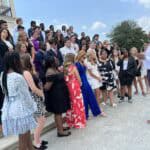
(18, 108)
(93, 82)
(57, 98)
(106, 72)
(138, 70)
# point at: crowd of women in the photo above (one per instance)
(56, 71)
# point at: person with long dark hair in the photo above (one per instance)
(59, 39)
(106, 68)
(56, 94)
(37, 94)
(3, 49)
(19, 107)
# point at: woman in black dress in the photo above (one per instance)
(127, 74)
(56, 94)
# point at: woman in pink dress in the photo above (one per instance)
(75, 117)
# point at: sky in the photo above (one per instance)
(90, 16)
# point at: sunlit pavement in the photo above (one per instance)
(125, 128)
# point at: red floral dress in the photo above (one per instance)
(75, 117)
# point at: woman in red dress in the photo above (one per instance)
(75, 117)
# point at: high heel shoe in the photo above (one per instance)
(63, 134)
(66, 128)
(42, 147)
(44, 143)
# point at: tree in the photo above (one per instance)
(128, 34)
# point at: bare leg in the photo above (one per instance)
(110, 94)
(41, 122)
(25, 142)
(130, 91)
(146, 83)
(118, 87)
(135, 85)
(141, 85)
(97, 94)
(122, 91)
(29, 141)
(104, 92)
(59, 123)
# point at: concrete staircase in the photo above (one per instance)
(11, 143)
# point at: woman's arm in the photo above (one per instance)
(33, 53)
(93, 75)
(27, 75)
(77, 75)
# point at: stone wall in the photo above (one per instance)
(11, 22)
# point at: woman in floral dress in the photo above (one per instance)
(75, 117)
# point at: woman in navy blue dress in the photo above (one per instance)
(88, 95)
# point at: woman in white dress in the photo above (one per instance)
(93, 75)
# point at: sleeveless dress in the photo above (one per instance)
(88, 95)
(57, 98)
(75, 117)
(18, 108)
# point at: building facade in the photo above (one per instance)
(7, 12)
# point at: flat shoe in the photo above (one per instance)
(63, 134)
(44, 142)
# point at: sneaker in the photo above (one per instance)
(130, 100)
(121, 99)
(103, 103)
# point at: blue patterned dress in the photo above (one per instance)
(18, 108)
(88, 95)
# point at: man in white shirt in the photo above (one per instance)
(67, 48)
(19, 24)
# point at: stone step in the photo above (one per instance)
(11, 142)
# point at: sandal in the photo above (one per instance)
(66, 128)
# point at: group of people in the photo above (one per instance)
(56, 71)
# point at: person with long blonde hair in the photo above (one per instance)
(93, 75)
(75, 117)
(88, 95)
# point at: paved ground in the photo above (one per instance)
(125, 128)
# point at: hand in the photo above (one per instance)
(100, 79)
(61, 69)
